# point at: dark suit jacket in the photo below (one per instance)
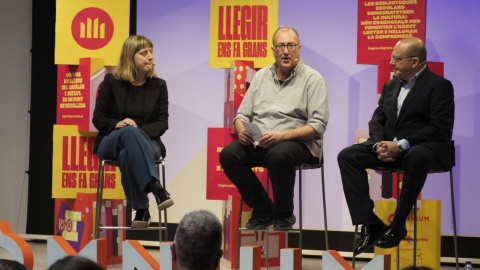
(110, 106)
(426, 117)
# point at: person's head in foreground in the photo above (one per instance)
(75, 263)
(198, 241)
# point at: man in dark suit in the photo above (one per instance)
(410, 128)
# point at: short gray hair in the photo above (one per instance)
(198, 240)
(285, 28)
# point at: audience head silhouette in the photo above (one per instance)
(198, 241)
(6, 264)
(75, 263)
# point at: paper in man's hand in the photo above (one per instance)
(254, 129)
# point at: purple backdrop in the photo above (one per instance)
(180, 32)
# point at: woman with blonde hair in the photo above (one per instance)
(131, 113)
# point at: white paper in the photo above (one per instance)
(254, 129)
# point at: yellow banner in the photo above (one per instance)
(75, 168)
(90, 28)
(242, 30)
(428, 234)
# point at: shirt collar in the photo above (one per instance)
(415, 77)
(295, 71)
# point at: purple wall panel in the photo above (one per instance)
(180, 32)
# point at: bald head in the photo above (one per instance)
(413, 46)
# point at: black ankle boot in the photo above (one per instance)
(142, 219)
(163, 199)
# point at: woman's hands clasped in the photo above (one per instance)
(126, 122)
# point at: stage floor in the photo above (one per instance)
(39, 249)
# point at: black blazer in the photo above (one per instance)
(110, 106)
(426, 117)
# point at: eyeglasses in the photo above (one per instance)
(281, 47)
(399, 59)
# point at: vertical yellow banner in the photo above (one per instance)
(428, 234)
(90, 28)
(242, 30)
(75, 167)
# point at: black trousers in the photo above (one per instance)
(353, 162)
(280, 160)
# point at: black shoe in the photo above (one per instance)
(259, 223)
(369, 235)
(142, 219)
(392, 236)
(284, 224)
(163, 199)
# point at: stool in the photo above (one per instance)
(300, 229)
(101, 179)
(399, 171)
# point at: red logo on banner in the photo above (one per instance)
(92, 28)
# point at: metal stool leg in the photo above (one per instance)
(454, 220)
(267, 234)
(101, 173)
(355, 236)
(160, 237)
(415, 208)
(300, 210)
(398, 199)
(237, 251)
(162, 162)
(324, 209)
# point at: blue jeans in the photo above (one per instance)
(135, 154)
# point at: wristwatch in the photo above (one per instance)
(400, 147)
